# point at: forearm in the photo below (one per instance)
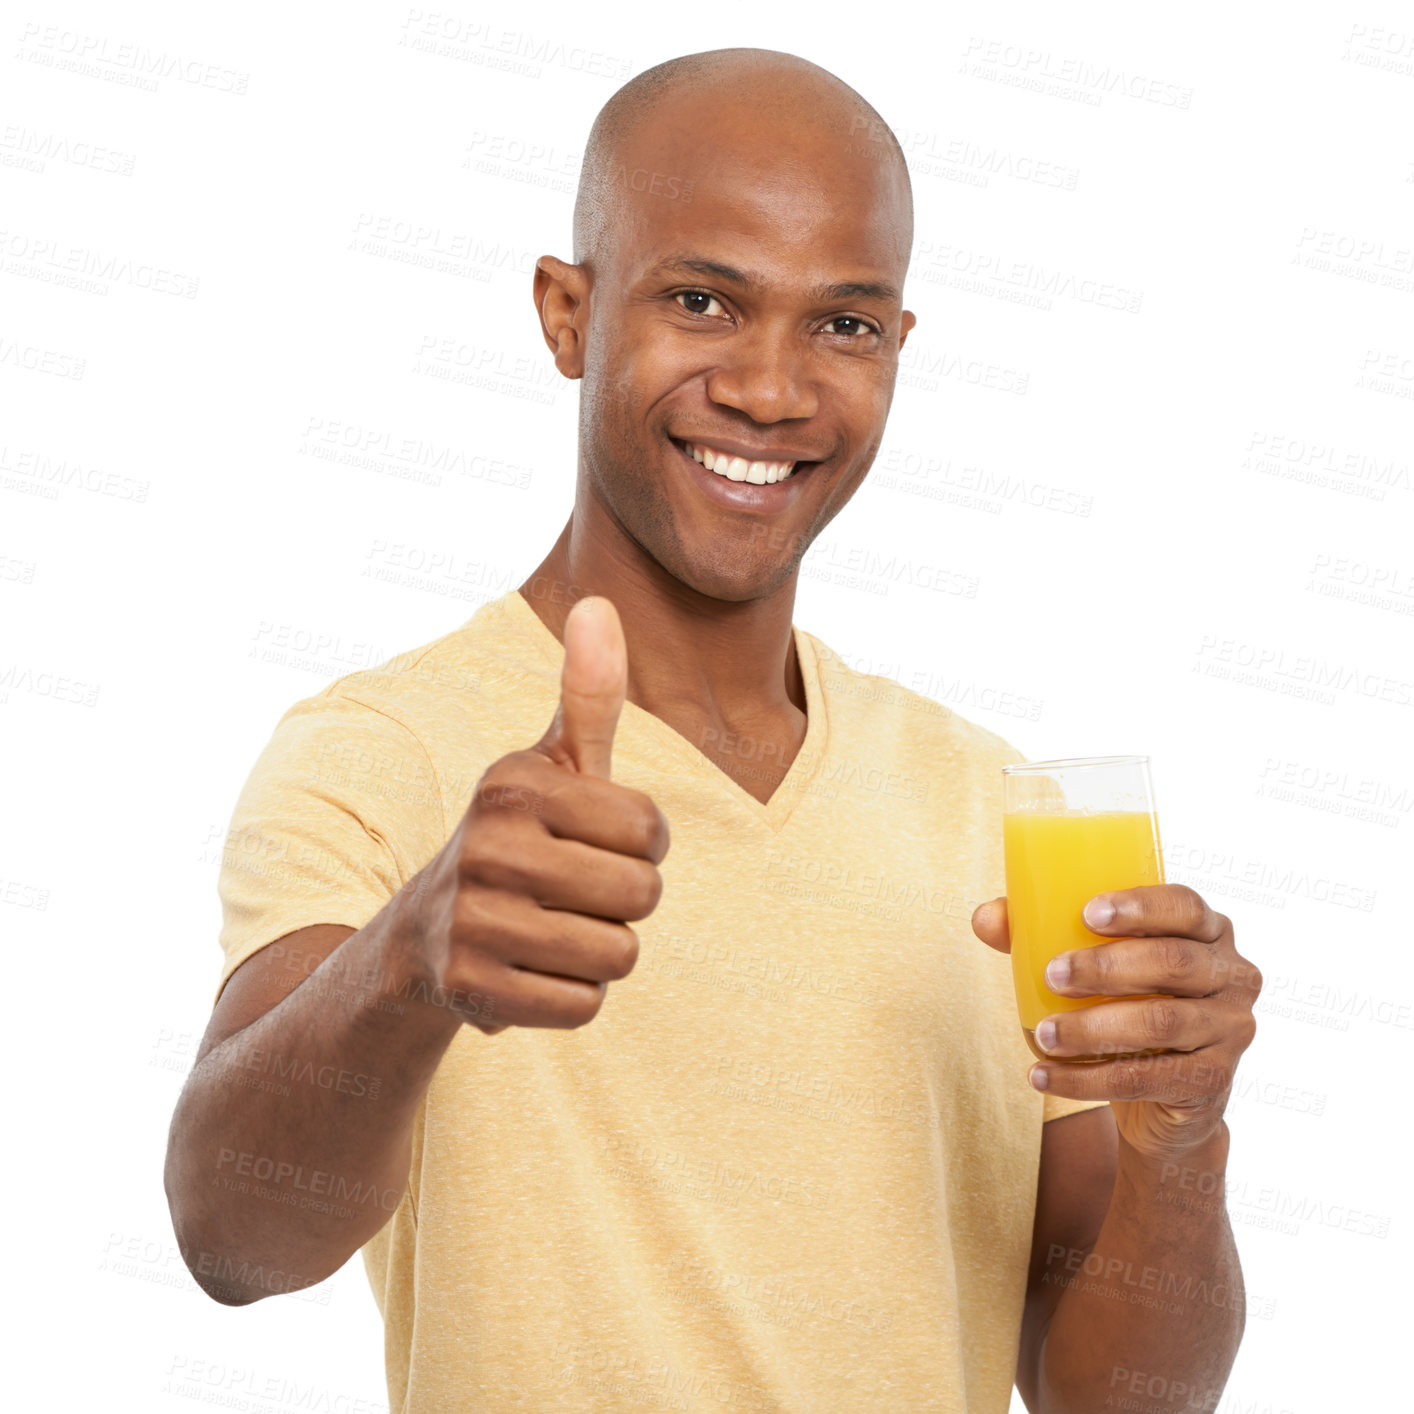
(291, 1142)
(1156, 1309)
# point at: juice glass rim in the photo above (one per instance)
(1070, 762)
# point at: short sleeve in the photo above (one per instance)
(341, 808)
(1057, 1106)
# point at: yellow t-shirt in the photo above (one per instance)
(791, 1165)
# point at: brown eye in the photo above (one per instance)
(860, 327)
(698, 302)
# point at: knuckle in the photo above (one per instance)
(1160, 1018)
(505, 771)
(623, 953)
(659, 838)
(508, 785)
(474, 924)
(506, 795)
(1174, 957)
(473, 858)
(489, 789)
(649, 828)
(575, 1010)
(1194, 906)
(1141, 903)
(462, 976)
(484, 861)
(478, 1007)
(1248, 1029)
(1094, 964)
(638, 817)
(491, 774)
(468, 857)
(644, 891)
(651, 890)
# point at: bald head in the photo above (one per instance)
(671, 113)
(742, 237)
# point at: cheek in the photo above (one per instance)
(877, 390)
(862, 404)
(627, 378)
(606, 374)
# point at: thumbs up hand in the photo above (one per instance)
(593, 685)
(522, 918)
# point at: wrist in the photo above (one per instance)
(401, 943)
(1202, 1164)
(409, 986)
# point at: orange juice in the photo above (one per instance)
(1055, 862)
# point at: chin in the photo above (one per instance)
(733, 584)
(730, 573)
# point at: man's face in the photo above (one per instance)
(746, 304)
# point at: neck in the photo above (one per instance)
(693, 661)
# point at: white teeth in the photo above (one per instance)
(738, 468)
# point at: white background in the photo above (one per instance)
(1188, 535)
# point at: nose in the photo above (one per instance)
(765, 374)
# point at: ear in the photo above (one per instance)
(562, 302)
(905, 324)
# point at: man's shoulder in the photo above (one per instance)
(458, 669)
(884, 707)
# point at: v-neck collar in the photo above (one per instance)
(775, 812)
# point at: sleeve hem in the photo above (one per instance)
(426, 756)
(333, 917)
(1056, 1107)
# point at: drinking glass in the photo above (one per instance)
(1071, 829)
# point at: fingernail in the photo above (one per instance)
(1038, 1077)
(1099, 912)
(1058, 972)
(1046, 1035)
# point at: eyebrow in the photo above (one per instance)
(754, 284)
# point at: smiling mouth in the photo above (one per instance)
(735, 468)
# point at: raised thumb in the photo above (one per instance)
(593, 684)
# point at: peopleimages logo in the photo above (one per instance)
(24, 147)
(56, 262)
(1018, 281)
(1065, 76)
(477, 42)
(135, 65)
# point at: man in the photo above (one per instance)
(794, 1163)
